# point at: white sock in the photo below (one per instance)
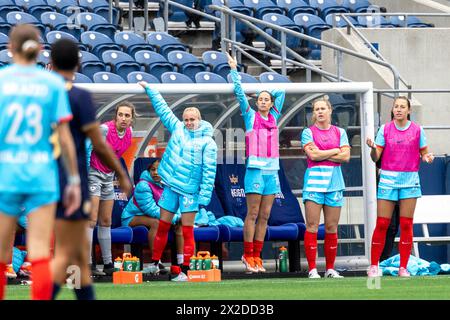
(180, 258)
(90, 236)
(104, 239)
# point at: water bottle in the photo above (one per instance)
(283, 258)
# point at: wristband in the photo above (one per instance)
(73, 180)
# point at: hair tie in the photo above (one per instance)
(29, 44)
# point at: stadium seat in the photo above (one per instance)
(218, 63)
(292, 42)
(326, 7)
(136, 76)
(90, 64)
(208, 77)
(153, 62)
(120, 62)
(107, 77)
(66, 7)
(293, 7)
(4, 40)
(18, 17)
(54, 36)
(5, 27)
(410, 22)
(98, 42)
(313, 26)
(357, 6)
(34, 7)
(273, 77)
(375, 21)
(101, 7)
(43, 58)
(186, 63)
(245, 78)
(175, 77)
(262, 7)
(339, 22)
(7, 6)
(58, 22)
(177, 14)
(93, 22)
(81, 78)
(5, 57)
(165, 43)
(132, 43)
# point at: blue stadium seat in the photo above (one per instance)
(175, 77)
(34, 7)
(273, 77)
(433, 176)
(58, 21)
(313, 26)
(81, 78)
(375, 21)
(410, 22)
(357, 6)
(98, 42)
(136, 76)
(242, 31)
(54, 36)
(132, 43)
(262, 7)
(43, 58)
(7, 6)
(186, 63)
(5, 27)
(93, 22)
(165, 43)
(326, 7)
(218, 62)
(4, 40)
(90, 64)
(208, 77)
(245, 78)
(339, 22)
(101, 7)
(153, 62)
(293, 7)
(120, 62)
(177, 14)
(18, 17)
(107, 77)
(67, 7)
(282, 21)
(5, 57)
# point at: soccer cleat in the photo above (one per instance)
(152, 269)
(25, 270)
(96, 272)
(259, 265)
(162, 268)
(373, 272)
(249, 263)
(403, 272)
(10, 273)
(108, 269)
(331, 273)
(313, 274)
(181, 277)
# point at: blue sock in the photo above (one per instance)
(85, 293)
(56, 288)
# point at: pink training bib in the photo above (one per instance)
(119, 146)
(262, 141)
(325, 140)
(402, 148)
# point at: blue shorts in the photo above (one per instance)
(171, 201)
(261, 182)
(330, 199)
(18, 204)
(399, 194)
(125, 222)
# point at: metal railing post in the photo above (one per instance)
(283, 53)
(339, 65)
(166, 15)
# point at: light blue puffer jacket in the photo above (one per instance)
(143, 195)
(188, 165)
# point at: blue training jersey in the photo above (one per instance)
(32, 100)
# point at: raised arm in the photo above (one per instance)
(238, 91)
(278, 95)
(168, 118)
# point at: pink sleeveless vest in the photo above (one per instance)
(402, 148)
(156, 190)
(262, 141)
(118, 145)
(325, 140)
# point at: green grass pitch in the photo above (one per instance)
(391, 288)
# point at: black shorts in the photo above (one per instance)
(82, 213)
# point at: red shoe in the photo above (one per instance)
(259, 264)
(250, 264)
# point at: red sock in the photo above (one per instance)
(330, 249)
(160, 239)
(406, 240)
(42, 285)
(189, 244)
(257, 248)
(379, 239)
(310, 242)
(248, 249)
(2, 280)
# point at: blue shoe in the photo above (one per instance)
(181, 277)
